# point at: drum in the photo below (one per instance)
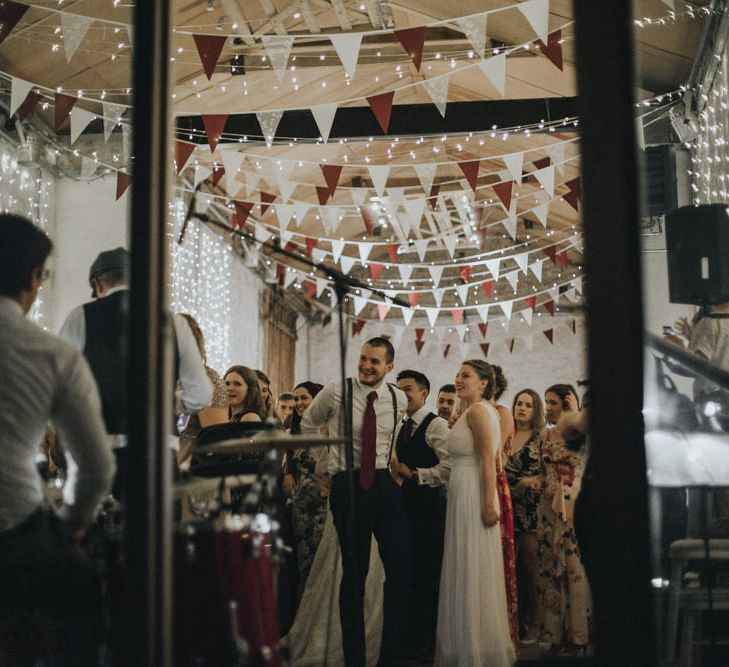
(225, 608)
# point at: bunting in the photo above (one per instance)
(412, 40)
(214, 125)
(324, 118)
(122, 183)
(381, 106)
(75, 28)
(209, 48)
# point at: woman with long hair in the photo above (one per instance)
(523, 466)
(473, 622)
(245, 401)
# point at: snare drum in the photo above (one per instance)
(225, 611)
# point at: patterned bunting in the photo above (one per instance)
(209, 48)
(437, 88)
(269, 120)
(474, 28)
(75, 28)
(277, 49)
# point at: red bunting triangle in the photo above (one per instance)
(280, 268)
(392, 251)
(323, 194)
(368, 218)
(357, 327)
(542, 163)
(183, 151)
(562, 259)
(266, 200)
(218, 171)
(310, 289)
(419, 345)
(488, 288)
(331, 176)
(419, 334)
(503, 192)
(433, 198)
(531, 301)
(291, 247)
(549, 333)
(485, 349)
(381, 106)
(30, 102)
(122, 183)
(376, 270)
(574, 193)
(553, 48)
(412, 40)
(465, 273)
(413, 298)
(242, 211)
(310, 245)
(470, 171)
(214, 125)
(551, 252)
(446, 350)
(511, 345)
(209, 48)
(10, 14)
(549, 305)
(457, 315)
(483, 326)
(63, 106)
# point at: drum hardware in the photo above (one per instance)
(276, 441)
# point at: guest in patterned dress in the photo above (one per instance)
(305, 487)
(506, 518)
(522, 470)
(563, 587)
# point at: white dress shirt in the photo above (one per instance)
(327, 407)
(197, 390)
(42, 379)
(436, 437)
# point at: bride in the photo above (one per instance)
(473, 623)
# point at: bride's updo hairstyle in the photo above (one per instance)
(485, 371)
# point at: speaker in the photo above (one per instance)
(697, 239)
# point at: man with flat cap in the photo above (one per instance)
(99, 330)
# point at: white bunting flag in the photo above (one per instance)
(421, 247)
(405, 222)
(474, 28)
(432, 314)
(406, 271)
(378, 174)
(285, 188)
(438, 296)
(426, 176)
(332, 298)
(300, 211)
(347, 46)
(321, 283)
(88, 168)
(450, 242)
(435, 273)
(127, 141)
(571, 294)
(514, 163)
(347, 262)
(201, 173)
(483, 313)
(252, 180)
(493, 266)
(324, 117)
(522, 261)
(80, 119)
(513, 278)
(542, 213)
(526, 314)
(407, 314)
(269, 120)
(284, 213)
(19, 90)
(462, 293)
(554, 293)
(670, 4)
(331, 218)
(359, 303)
(364, 251)
(288, 277)
(337, 248)
(506, 307)
(112, 117)
(358, 195)
(509, 221)
(75, 28)
(286, 236)
(437, 88)
(577, 284)
(461, 330)
(396, 194)
(319, 255)
(494, 69)
(414, 209)
(546, 179)
(536, 269)
(555, 152)
(537, 13)
(261, 233)
(232, 163)
(277, 49)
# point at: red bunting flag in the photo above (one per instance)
(357, 327)
(549, 305)
(549, 333)
(542, 163)
(465, 273)
(562, 259)
(376, 270)
(419, 345)
(488, 288)
(392, 251)
(551, 252)
(574, 193)
(483, 327)
(553, 48)
(503, 192)
(183, 151)
(419, 334)
(310, 245)
(382, 310)
(412, 40)
(10, 14)
(209, 48)
(381, 106)
(511, 345)
(470, 171)
(433, 197)
(30, 102)
(457, 315)
(323, 194)
(531, 301)
(122, 183)
(291, 247)
(485, 349)
(63, 106)
(266, 200)
(280, 268)
(214, 125)
(368, 219)
(242, 211)
(446, 350)
(310, 289)
(331, 176)
(218, 171)
(413, 298)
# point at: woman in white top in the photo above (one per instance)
(473, 623)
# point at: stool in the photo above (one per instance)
(692, 600)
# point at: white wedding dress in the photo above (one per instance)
(473, 623)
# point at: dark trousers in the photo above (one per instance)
(425, 510)
(50, 609)
(379, 511)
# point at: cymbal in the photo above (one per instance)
(200, 485)
(264, 440)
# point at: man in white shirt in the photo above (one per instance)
(424, 465)
(42, 379)
(446, 402)
(375, 409)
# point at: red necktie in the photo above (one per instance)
(369, 443)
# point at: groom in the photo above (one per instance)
(375, 410)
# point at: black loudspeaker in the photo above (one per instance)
(697, 238)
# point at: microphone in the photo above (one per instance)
(189, 213)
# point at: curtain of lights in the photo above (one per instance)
(201, 284)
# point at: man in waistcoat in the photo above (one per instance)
(423, 464)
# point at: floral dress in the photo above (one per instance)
(563, 588)
(524, 463)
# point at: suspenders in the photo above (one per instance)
(350, 386)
